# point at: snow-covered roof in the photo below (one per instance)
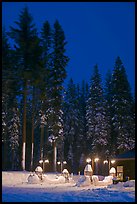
(126, 155)
(88, 168)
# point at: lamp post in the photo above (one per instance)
(96, 163)
(43, 162)
(88, 160)
(61, 164)
(106, 163)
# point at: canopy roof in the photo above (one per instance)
(126, 156)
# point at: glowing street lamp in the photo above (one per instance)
(88, 160)
(96, 159)
(112, 161)
(46, 161)
(42, 162)
(96, 164)
(105, 161)
(61, 164)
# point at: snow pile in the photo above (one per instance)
(88, 168)
(39, 169)
(106, 181)
(112, 170)
(130, 183)
(15, 188)
(14, 177)
(33, 179)
(65, 171)
(83, 181)
(121, 185)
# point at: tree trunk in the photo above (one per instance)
(13, 160)
(5, 147)
(32, 130)
(54, 156)
(93, 168)
(24, 126)
(41, 142)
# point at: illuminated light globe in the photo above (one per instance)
(96, 159)
(46, 161)
(112, 161)
(88, 160)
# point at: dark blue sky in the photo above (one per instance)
(95, 32)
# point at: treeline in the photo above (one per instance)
(43, 120)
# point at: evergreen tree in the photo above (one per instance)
(57, 76)
(71, 124)
(14, 136)
(122, 103)
(9, 94)
(97, 133)
(108, 98)
(24, 37)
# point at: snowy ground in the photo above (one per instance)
(15, 188)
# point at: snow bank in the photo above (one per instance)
(119, 185)
(33, 179)
(45, 191)
(83, 181)
(14, 177)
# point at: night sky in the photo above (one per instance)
(96, 33)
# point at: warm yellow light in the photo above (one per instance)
(112, 161)
(46, 161)
(41, 161)
(105, 161)
(88, 160)
(96, 159)
(58, 162)
(64, 162)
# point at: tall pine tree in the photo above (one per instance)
(122, 103)
(97, 125)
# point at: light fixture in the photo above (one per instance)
(58, 162)
(64, 162)
(96, 159)
(112, 161)
(46, 161)
(88, 160)
(105, 161)
(41, 161)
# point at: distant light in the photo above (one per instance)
(96, 159)
(88, 160)
(41, 161)
(112, 161)
(46, 161)
(64, 162)
(58, 162)
(105, 161)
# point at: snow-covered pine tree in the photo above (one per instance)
(109, 113)
(122, 104)
(82, 95)
(70, 121)
(14, 136)
(6, 67)
(57, 76)
(97, 127)
(24, 36)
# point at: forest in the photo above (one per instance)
(42, 119)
